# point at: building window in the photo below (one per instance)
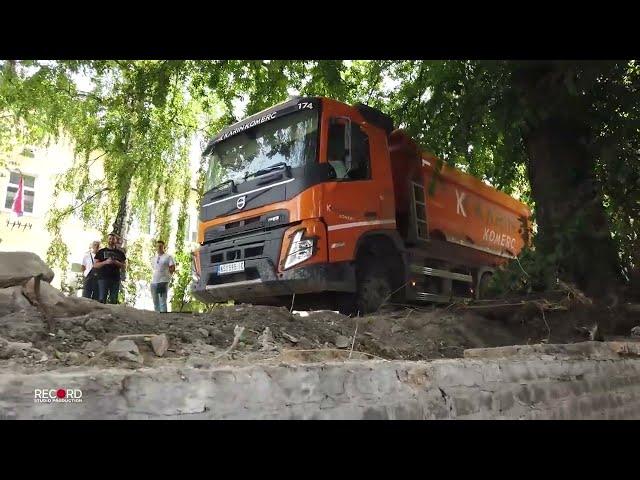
(28, 191)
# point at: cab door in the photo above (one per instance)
(360, 198)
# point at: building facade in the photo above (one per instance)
(40, 168)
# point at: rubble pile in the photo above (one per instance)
(42, 329)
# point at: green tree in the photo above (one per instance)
(566, 122)
(563, 134)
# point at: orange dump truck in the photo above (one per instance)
(328, 202)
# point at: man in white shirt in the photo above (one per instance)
(163, 267)
(90, 286)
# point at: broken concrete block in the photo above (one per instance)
(396, 329)
(631, 349)
(73, 357)
(49, 296)
(124, 350)
(160, 344)
(267, 341)
(94, 345)
(342, 341)
(291, 338)
(55, 302)
(12, 300)
(18, 267)
(18, 349)
(94, 325)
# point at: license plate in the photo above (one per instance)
(230, 268)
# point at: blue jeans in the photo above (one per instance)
(159, 295)
(108, 289)
(90, 288)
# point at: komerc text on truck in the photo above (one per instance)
(323, 200)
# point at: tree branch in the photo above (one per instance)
(377, 72)
(93, 161)
(88, 199)
(416, 94)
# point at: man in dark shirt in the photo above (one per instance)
(109, 262)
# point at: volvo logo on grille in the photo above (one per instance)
(241, 202)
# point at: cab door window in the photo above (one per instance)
(348, 150)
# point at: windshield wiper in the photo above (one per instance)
(264, 171)
(218, 190)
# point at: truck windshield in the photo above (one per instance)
(291, 139)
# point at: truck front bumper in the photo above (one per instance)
(260, 281)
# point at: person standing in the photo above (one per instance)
(163, 266)
(110, 262)
(90, 286)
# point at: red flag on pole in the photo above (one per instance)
(18, 201)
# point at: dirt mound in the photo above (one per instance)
(42, 329)
(275, 333)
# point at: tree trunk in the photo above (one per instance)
(10, 66)
(123, 217)
(572, 223)
(121, 223)
(573, 227)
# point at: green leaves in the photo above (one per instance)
(142, 114)
(479, 113)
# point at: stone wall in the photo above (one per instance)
(590, 380)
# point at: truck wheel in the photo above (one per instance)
(483, 286)
(374, 286)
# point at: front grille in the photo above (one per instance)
(234, 255)
(255, 248)
(264, 222)
(240, 252)
(254, 251)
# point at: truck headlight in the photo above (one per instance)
(301, 249)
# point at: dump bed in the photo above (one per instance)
(459, 207)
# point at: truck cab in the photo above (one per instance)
(289, 193)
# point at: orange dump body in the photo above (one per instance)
(459, 207)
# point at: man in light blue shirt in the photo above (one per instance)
(163, 266)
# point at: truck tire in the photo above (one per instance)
(483, 286)
(373, 286)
